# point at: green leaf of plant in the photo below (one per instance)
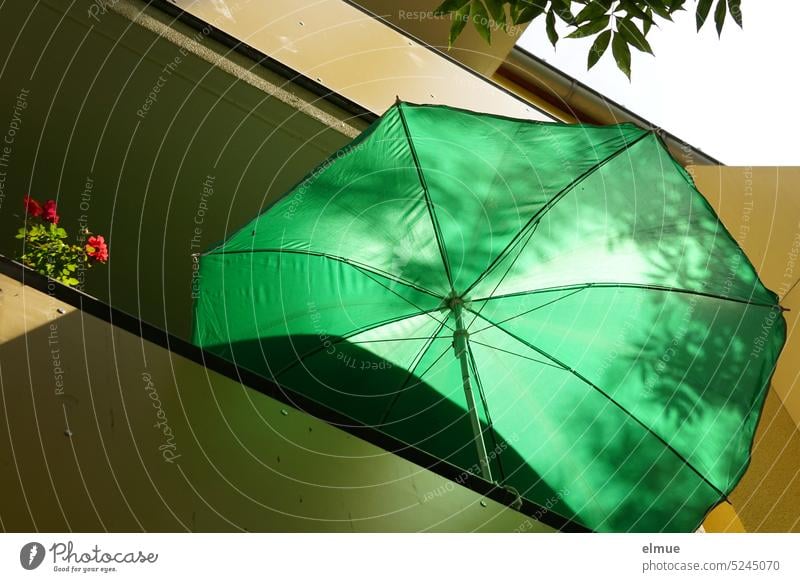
(703, 8)
(647, 23)
(497, 11)
(622, 54)
(632, 9)
(633, 36)
(719, 15)
(480, 20)
(659, 8)
(459, 21)
(531, 10)
(449, 6)
(594, 9)
(551, 28)
(735, 8)
(562, 9)
(598, 48)
(590, 28)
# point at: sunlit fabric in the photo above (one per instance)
(620, 342)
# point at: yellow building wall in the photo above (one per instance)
(102, 430)
(417, 18)
(354, 55)
(761, 208)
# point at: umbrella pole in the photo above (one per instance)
(460, 344)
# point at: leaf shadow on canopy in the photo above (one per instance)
(662, 315)
(621, 342)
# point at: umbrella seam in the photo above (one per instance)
(550, 203)
(642, 286)
(437, 233)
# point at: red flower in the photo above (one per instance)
(49, 213)
(32, 207)
(97, 248)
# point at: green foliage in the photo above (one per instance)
(47, 251)
(45, 247)
(628, 22)
(622, 54)
(598, 48)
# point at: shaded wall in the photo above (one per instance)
(102, 430)
(134, 168)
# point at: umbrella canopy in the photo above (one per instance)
(552, 307)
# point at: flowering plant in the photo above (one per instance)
(45, 247)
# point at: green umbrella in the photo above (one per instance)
(552, 307)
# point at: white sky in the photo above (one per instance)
(735, 98)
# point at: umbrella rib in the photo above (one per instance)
(411, 303)
(473, 341)
(543, 305)
(508, 270)
(552, 202)
(624, 410)
(346, 337)
(661, 288)
(433, 363)
(400, 339)
(346, 261)
(437, 232)
(417, 360)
